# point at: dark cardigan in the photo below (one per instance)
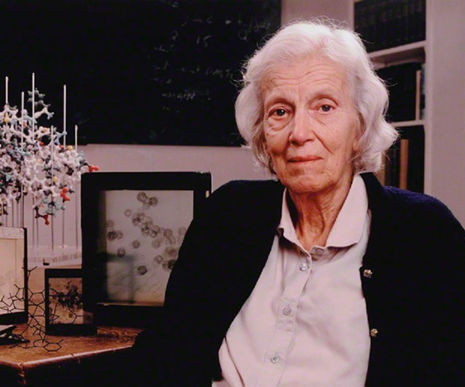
(412, 278)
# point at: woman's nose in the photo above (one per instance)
(302, 128)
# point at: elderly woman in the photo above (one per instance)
(321, 277)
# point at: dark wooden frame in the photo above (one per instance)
(86, 327)
(20, 316)
(124, 312)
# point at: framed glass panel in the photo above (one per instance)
(64, 307)
(133, 225)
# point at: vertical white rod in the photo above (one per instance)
(6, 90)
(76, 137)
(63, 212)
(77, 195)
(64, 146)
(52, 233)
(22, 149)
(52, 172)
(6, 103)
(34, 220)
(33, 103)
(22, 120)
(64, 116)
(17, 217)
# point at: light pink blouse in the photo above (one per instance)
(305, 323)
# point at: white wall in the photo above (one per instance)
(224, 163)
(445, 104)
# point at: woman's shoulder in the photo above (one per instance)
(245, 196)
(417, 201)
(408, 209)
(423, 211)
(403, 202)
(245, 187)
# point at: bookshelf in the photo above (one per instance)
(398, 52)
(397, 55)
(404, 124)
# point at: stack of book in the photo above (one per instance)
(405, 83)
(388, 23)
(404, 162)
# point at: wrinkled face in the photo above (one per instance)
(311, 125)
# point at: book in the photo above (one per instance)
(388, 23)
(404, 161)
(404, 86)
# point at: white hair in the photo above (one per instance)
(340, 45)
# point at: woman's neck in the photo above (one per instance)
(314, 215)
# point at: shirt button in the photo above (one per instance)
(373, 332)
(303, 266)
(274, 359)
(287, 311)
(367, 273)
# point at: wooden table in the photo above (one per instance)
(85, 361)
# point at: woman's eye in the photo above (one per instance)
(326, 108)
(280, 112)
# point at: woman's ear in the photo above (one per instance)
(357, 146)
(360, 131)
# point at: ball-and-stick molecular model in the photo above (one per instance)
(34, 157)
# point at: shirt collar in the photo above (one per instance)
(348, 227)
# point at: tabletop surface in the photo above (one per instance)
(49, 348)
